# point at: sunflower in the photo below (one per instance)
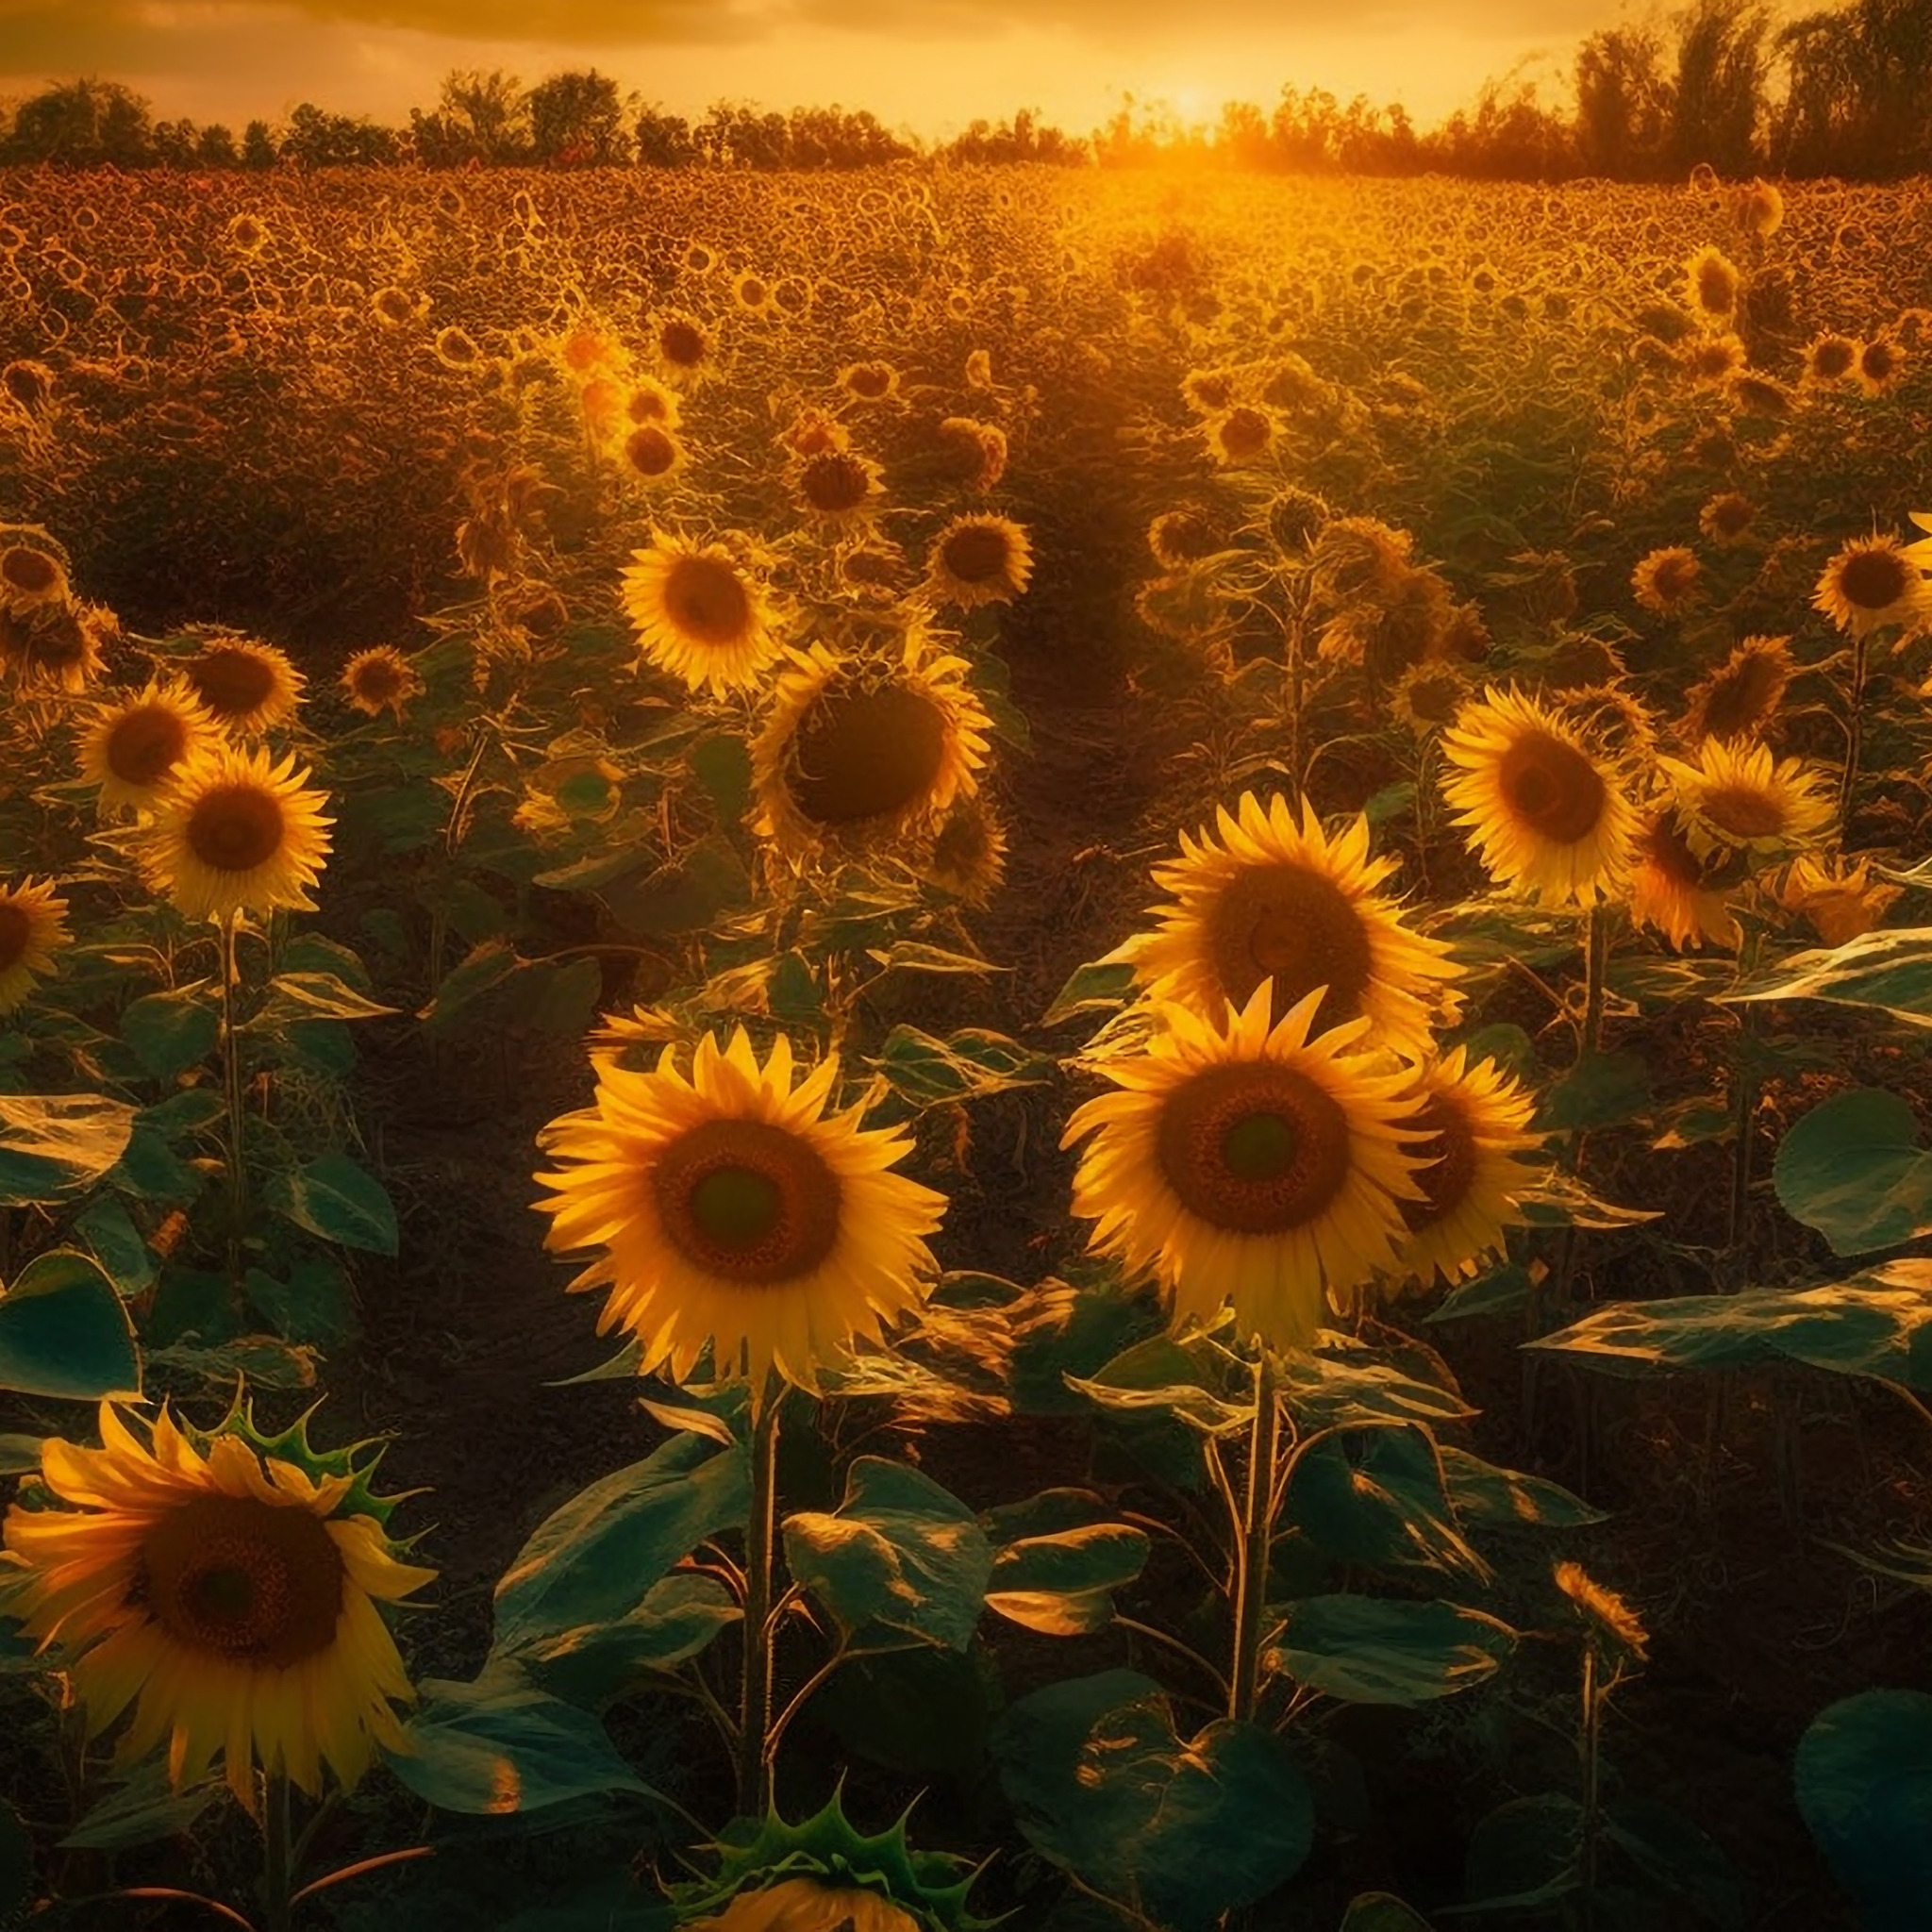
(30, 578)
(1712, 284)
(1880, 363)
(247, 686)
(1240, 434)
(1246, 1162)
(1740, 697)
(651, 453)
(1829, 358)
(807, 1905)
(699, 614)
(457, 348)
(134, 746)
(1871, 582)
(380, 679)
(836, 485)
(33, 927)
(57, 644)
(1427, 696)
(731, 1209)
(1667, 580)
(1476, 1120)
(1736, 798)
(1179, 537)
(970, 452)
(968, 854)
(1545, 814)
(235, 832)
(1278, 901)
(684, 346)
(1726, 517)
(868, 382)
(860, 752)
(228, 1594)
(1672, 888)
(1841, 900)
(978, 560)
(649, 401)
(1712, 361)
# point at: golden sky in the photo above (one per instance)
(927, 65)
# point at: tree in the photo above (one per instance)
(485, 117)
(171, 143)
(259, 148)
(214, 147)
(318, 139)
(1858, 83)
(82, 124)
(661, 140)
(1623, 105)
(576, 118)
(1718, 94)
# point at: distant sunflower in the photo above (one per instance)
(685, 348)
(30, 578)
(1244, 1161)
(1841, 898)
(235, 832)
(1667, 580)
(380, 679)
(56, 645)
(228, 1594)
(1829, 358)
(1870, 583)
(1278, 899)
(837, 486)
(699, 614)
(1546, 814)
(978, 560)
(1179, 537)
(868, 382)
(651, 402)
(1477, 1121)
(732, 1209)
(457, 348)
(247, 686)
(1672, 888)
(1243, 434)
(970, 452)
(1740, 697)
(1712, 361)
(1726, 518)
(1711, 285)
(1881, 362)
(1427, 696)
(33, 928)
(134, 746)
(651, 454)
(968, 855)
(1735, 797)
(860, 752)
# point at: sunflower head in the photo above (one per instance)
(970, 453)
(1740, 697)
(651, 454)
(837, 486)
(1881, 361)
(868, 382)
(1733, 797)
(245, 686)
(1829, 358)
(380, 679)
(979, 560)
(56, 645)
(727, 1208)
(1675, 890)
(33, 928)
(1667, 580)
(684, 346)
(225, 1587)
(968, 854)
(1841, 898)
(700, 614)
(1242, 435)
(1871, 582)
(31, 575)
(1711, 285)
(134, 746)
(1726, 517)
(832, 1876)
(1179, 537)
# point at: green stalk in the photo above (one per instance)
(1255, 1537)
(754, 1704)
(232, 1090)
(1586, 1749)
(1743, 1110)
(1855, 731)
(277, 1870)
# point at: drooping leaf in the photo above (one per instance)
(1374, 1649)
(65, 1332)
(1853, 1168)
(604, 1660)
(173, 1030)
(1378, 1495)
(1058, 1560)
(54, 1145)
(1890, 969)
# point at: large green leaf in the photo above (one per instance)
(1853, 1168)
(1373, 1650)
(143, 1807)
(1890, 971)
(1060, 1559)
(926, 1072)
(1874, 1323)
(900, 1558)
(1099, 987)
(64, 1331)
(53, 1145)
(1171, 1378)
(1183, 1830)
(600, 1661)
(1378, 1495)
(592, 1561)
(1484, 1492)
(175, 1031)
(500, 1745)
(313, 996)
(1863, 1774)
(333, 1197)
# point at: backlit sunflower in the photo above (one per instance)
(1546, 814)
(380, 679)
(1740, 697)
(1735, 797)
(1726, 517)
(651, 454)
(1870, 583)
(234, 831)
(56, 645)
(245, 686)
(1881, 362)
(808, 1904)
(1667, 580)
(229, 1595)
(1673, 889)
(699, 614)
(1278, 899)
(1829, 358)
(978, 560)
(837, 486)
(1840, 899)
(132, 747)
(33, 927)
(1240, 434)
(684, 346)
(1245, 1162)
(1476, 1120)
(1711, 285)
(858, 752)
(731, 1209)
(968, 854)
(868, 382)
(30, 576)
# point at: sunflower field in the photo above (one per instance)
(989, 1045)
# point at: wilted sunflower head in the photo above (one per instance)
(1180, 537)
(1830, 358)
(457, 348)
(380, 679)
(1711, 284)
(1734, 798)
(1676, 891)
(245, 686)
(1357, 559)
(1741, 697)
(1243, 434)
(1871, 583)
(968, 855)
(1725, 517)
(868, 382)
(1838, 896)
(862, 751)
(978, 560)
(812, 432)
(970, 453)
(1711, 360)
(31, 577)
(837, 486)
(395, 307)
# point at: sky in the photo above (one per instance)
(930, 66)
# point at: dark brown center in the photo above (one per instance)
(230, 682)
(16, 931)
(144, 744)
(235, 827)
(1873, 580)
(681, 343)
(1252, 1147)
(29, 570)
(979, 554)
(649, 451)
(1294, 924)
(706, 599)
(746, 1200)
(1744, 811)
(1552, 788)
(834, 481)
(860, 754)
(1450, 1152)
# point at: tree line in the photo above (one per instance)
(1846, 92)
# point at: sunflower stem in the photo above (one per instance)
(232, 1090)
(1855, 731)
(1255, 1539)
(278, 1867)
(755, 1706)
(1743, 1110)
(1596, 956)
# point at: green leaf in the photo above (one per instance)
(1063, 1330)
(1503, 1290)
(1161, 1376)
(191, 1111)
(592, 1561)
(1183, 1830)
(1601, 1091)
(1358, 1387)
(1057, 1561)
(1889, 970)
(923, 1713)
(172, 1031)
(1864, 1776)
(559, 996)
(901, 1558)
(923, 958)
(1870, 1325)
(501, 1745)
(313, 996)
(333, 1197)
(1378, 1495)
(20, 1454)
(1099, 987)
(54, 1145)
(604, 1660)
(1483, 1492)
(1381, 1911)
(723, 764)
(686, 896)
(486, 967)
(64, 1331)
(1373, 1650)
(315, 1304)
(1674, 1858)
(925, 1072)
(1559, 1200)
(1524, 1853)
(1851, 1168)
(125, 1256)
(143, 1807)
